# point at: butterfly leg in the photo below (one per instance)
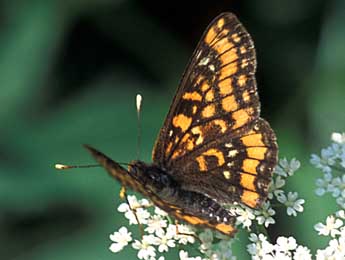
(134, 210)
(123, 192)
(185, 234)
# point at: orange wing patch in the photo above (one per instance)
(247, 181)
(249, 165)
(182, 122)
(222, 124)
(194, 96)
(208, 111)
(214, 31)
(228, 70)
(250, 198)
(242, 117)
(225, 86)
(229, 103)
(229, 56)
(202, 163)
(209, 95)
(252, 139)
(225, 228)
(202, 159)
(257, 152)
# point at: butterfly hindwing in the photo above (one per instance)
(231, 170)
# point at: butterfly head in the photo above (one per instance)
(152, 177)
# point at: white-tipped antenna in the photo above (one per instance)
(138, 103)
(59, 166)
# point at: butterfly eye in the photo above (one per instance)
(133, 170)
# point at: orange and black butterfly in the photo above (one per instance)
(213, 149)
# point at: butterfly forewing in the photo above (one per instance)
(215, 106)
(217, 95)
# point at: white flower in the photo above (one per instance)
(160, 212)
(319, 164)
(340, 214)
(338, 138)
(302, 253)
(138, 206)
(338, 184)
(331, 227)
(323, 185)
(254, 237)
(165, 240)
(286, 244)
(286, 168)
(184, 256)
(135, 203)
(264, 216)
(142, 215)
(322, 255)
(291, 202)
(260, 248)
(244, 217)
(341, 201)
(156, 224)
(146, 250)
(280, 256)
(121, 239)
(275, 187)
(338, 246)
(181, 237)
(327, 159)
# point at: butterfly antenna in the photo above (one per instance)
(59, 166)
(138, 100)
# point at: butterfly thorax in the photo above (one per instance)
(154, 179)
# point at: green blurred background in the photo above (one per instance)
(69, 72)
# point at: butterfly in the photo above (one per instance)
(213, 149)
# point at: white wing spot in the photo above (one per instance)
(171, 133)
(230, 164)
(211, 67)
(228, 145)
(232, 153)
(204, 61)
(226, 174)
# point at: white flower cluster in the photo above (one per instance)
(331, 162)
(264, 216)
(284, 249)
(288, 249)
(335, 229)
(160, 235)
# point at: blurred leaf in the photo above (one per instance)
(327, 84)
